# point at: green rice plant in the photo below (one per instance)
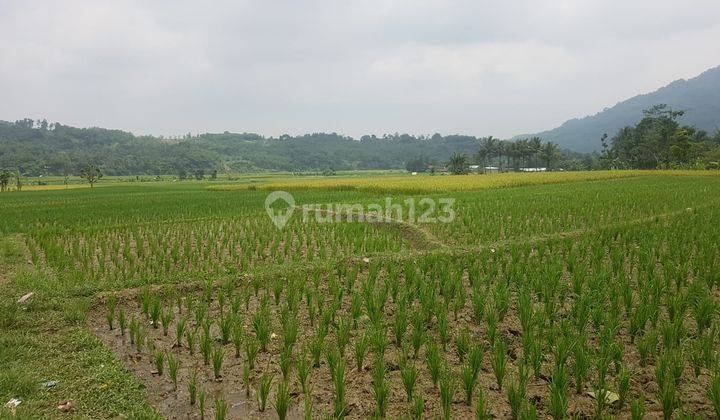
(303, 371)
(669, 400)
(408, 374)
(111, 305)
(206, 326)
(442, 327)
(286, 362)
(307, 407)
(251, 351)
(462, 344)
(458, 303)
(226, 325)
(140, 336)
(481, 410)
(144, 300)
(277, 287)
(189, 304)
(190, 337)
(122, 322)
(311, 308)
(221, 406)
(378, 340)
(704, 309)
(647, 347)
(201, 311)
(247, 370)
(558, 393)
(338, 379)
(501, 299)
(581, 364)
(192, 387)
(536, 356)
(159, 361)
(399, 324)
(498, 361)
(282, 400)
(264, 390)
(517, 394)
(637, 408)
(290, 333)
(638, 320)
(468, 379)
(713, 393)
(342, 334)
(235, 305)
(706, 344)
(447, 393)
(417, 408)
(207, 291)
(434, 362)
(491, 322)
(475, 358)
(173, 368)
(166, 318)
(355, 307)
(418, 332)
(261, 324)
(316, 346)
(623, 385)
(360, 349)
(237, 337)
(525, 312)
(561, 351)
(180, 331)
(477, 299)
(673, 333)
(201, 404)
(218, 355)
(332, 356)
(155, 312)
(206, 348)
(380, 388)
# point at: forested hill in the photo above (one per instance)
(36, 147)
(699, 97)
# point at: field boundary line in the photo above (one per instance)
(419, 238)
(452, 250)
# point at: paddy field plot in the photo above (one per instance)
(584, 296)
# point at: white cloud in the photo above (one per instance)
(478, 67)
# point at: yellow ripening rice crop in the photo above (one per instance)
(53, 187)
(440, 183)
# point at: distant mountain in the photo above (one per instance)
(699, 97)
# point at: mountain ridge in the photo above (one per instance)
(699, 97)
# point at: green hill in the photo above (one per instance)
(699, 97)
(36, 147)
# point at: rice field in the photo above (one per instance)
(441, 183)
(569, 295)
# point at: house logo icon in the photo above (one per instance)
(279, 213)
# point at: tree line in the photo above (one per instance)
(659, 141)
(36, 147)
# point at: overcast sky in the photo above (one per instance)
(352, 67)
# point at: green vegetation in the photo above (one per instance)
(529, 301)
(659, 141)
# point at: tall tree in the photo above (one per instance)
(458, 164)
(91, 173)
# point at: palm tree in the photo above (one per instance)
(550, 153)
(458, 164)
(535, 145)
